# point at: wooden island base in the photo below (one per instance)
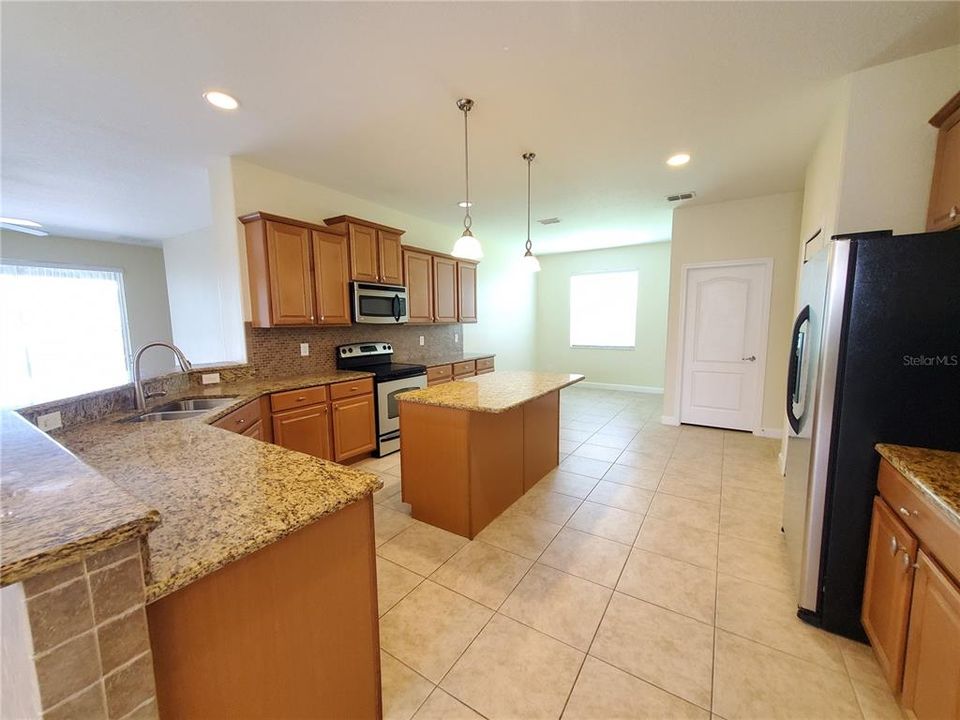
(462, 468)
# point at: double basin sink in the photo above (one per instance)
(181, 409)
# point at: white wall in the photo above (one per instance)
(642, 366)
(506, 295)
(20, 698)
(760, 227)
(144, 283)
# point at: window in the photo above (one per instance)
(63, 332)
(603, 310)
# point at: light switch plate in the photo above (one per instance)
(304, 349)
(421, 340)
(210, 378)
(50, 421)
(456, 337)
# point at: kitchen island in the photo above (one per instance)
(471, 448)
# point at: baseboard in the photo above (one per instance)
(628, 388)
(773, 433)
(669, 420)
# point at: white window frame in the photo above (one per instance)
(636, 275)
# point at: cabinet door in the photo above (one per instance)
(354, 429)
(466, 292)
(291, 287)
(331, 277)
(363, 253)
(887, 588)
(390, 257)
(255, 431)
(418, 273)
(931, 681)
(944, 210)
(304, 429)
(444, 290)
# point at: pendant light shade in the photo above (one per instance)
(467, 246)
(529, 261)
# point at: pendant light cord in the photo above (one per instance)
(467, 220)
(529, 244)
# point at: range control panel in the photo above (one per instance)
(364, 349)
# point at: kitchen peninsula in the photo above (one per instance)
(471, 448)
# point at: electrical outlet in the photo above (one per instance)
(456, 337)
(50, 421)
(304, 349)
(421, 340)
(210, 378)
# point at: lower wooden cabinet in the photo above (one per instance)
(255, 431)
(354, 427)
(305, 429)
(931, 682)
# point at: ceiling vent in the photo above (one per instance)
(549, 221)
(681, 196)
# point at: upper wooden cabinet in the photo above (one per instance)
(375, 251)
(943, 212)
(296, 272)
(466, 291)
(444, 289)
(418, 275)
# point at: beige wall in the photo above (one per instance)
(144, 282)
(760, 227)
(506, 294)
(642, 366)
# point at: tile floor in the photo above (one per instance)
(645, 577)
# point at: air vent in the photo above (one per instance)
(549, 221)
(681, 196)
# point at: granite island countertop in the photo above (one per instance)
(936, 473)
(493, 393)
(432, 359)
(220, 495)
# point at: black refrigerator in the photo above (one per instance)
(875, 358)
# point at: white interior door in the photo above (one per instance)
(724, 344)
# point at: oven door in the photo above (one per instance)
(388, 409)
(379, 304)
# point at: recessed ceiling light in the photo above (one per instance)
(465, 204)
(221, 100)
(18, 221)
(678, 160)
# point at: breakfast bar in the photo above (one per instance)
(471, 448)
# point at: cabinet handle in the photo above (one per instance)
(906, 562)
(907, 513)
(241, 422)
(301, 398)
(321, 318)
(953, 212)
(353, 389)
(894, 546)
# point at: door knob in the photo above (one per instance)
(750, 359)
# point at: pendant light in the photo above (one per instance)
(467, 246)
(529, 261)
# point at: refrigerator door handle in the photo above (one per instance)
(794, 376)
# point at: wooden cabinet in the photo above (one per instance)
(466, 291)
(943, 211)
(444, 289)
(306, 430)
(249, 420)
(467, 368)
(295, 270)
(888, 587)
(485, 365)
(375, 250)
(931, 684)
(418, 274)
(331, 278)
(354, 427)
(439, 374)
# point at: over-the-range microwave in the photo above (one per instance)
(379, 304)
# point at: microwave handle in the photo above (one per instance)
(396, 308)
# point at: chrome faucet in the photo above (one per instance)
(142, 398)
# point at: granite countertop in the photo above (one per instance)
(494, 393)
(56, 509)
(220, 495)
(934, 472)
(432, 359)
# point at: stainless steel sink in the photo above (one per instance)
(188, 404)
(157, 416)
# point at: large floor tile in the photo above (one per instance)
(608, 522)
(391, 486)
(671, 651)
(403, 689)
(512, 671)
(546, 505)
(680, 542)
(764, 564)
(430, 627)
(578, 486)
(564, 607)
(421, 548)
(637, 477)
(754, 501)
(520, 533)
(754, 681)
(482, 572)
(690, 490)
(684, 588)
(442, 706)
(585, 466)
(625, 497)
(603, 692)
(575, 436)
(702, 516)
(389, 523)
(598, 452)
(393, 583)
(611, 438)
(588, 556)
(861, 663)
(642, 459)
(877, 703)
(753, 526)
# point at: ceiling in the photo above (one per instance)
(105, 135)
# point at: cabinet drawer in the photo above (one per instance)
(240, 419)
(464, 369)
(349, 389)
(298, 398)
(484, 364)
(922, 516)
(439, 373)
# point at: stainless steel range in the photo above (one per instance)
(390, 379)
